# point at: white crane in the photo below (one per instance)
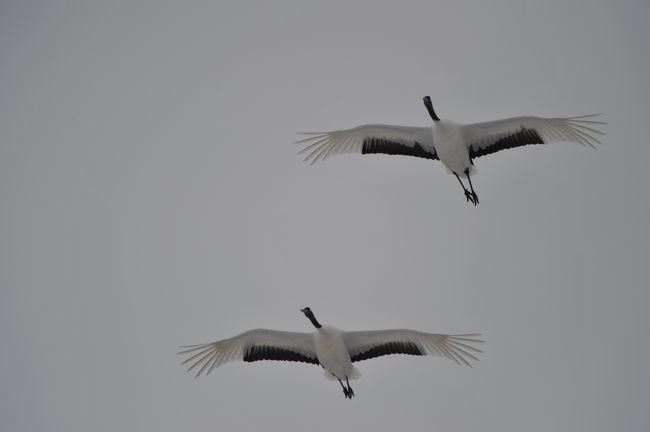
(455, 145)
(333, 349)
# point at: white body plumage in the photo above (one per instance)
(333, 355)
(450, 147)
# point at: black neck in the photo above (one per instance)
(432, 113)
(312, 318)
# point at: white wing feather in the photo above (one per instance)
(458, 348)
(322, 145)
(480, 136)
(214, 354)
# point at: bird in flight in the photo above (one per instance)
(455, 145)
(334, 350)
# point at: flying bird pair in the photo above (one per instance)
(454, 144)
(333, 349)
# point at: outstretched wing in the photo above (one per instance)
(364, 345)
(367, 139)
(490, 137)
(250, 346)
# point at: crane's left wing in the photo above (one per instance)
(367, 139)
(250, 346)
(491, 137)
(364, 345)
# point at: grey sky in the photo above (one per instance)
(151, 197)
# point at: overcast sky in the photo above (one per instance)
(151, 197)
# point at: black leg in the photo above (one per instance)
(349, 388)
(474, 196)
(468, 194)
(346, 392)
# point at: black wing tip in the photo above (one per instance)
(388, 348)
(264, 352)
(373, 145)
(520, 138)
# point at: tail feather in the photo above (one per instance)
(353, 374)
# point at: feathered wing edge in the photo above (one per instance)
(491, 137)
(253, 345)
(406, 140)
(577, 130)
(369, 344)
(209, 356)
(457, 348)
